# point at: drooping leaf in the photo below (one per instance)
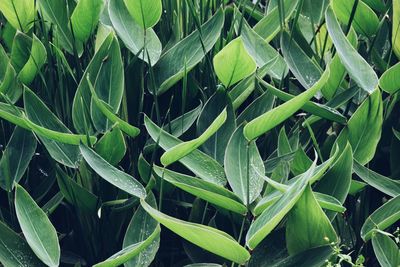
(208, 238)
(233, 63)
(37, 228)
(85, 18)
(356, 66)
(243, 164)
(145, 12)
(111, 174)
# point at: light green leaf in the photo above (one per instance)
(386, 250)
(208, 238)
(111, 174)
(179, 151)
(390, 79)
(396, 28)
(381, 218)
(199, 163)
(243, 166)
(37, 228)
(274, 117)
(85, 18)
(19, 13)
(307, 225)
(145, 12)
(14, 251)
(16, 157)
(210, 192)
(187, 53)
(132, 34)
(112, 146)
(233, 63)
(356, 66)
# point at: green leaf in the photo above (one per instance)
(37, 228)
(233, 63)
(187, 53)
(259, 106)
(242, 91)
(106, 74)
(307, 225)
(181, 150)
(112, 146)
(16, 157)
(199, 163)
(20, 14)
(210, 192)
(13, 114)
(208, 238)
(356, 66)
(140, 228)
(390, 79)
(364, 128)
(8, 82)
(396, 28)
(386, 250)
(145, 12)
(111, 174)
(14, 251)
(263, 53)
(180, 125)
(243, 164)
(384, 184)
(133, 35)
(271, 217)
(39, 114)
(85, 18)
(276, 116)
(130, 251)
(381, 218)
(269, 26)
(365, 20)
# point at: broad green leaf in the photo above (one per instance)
(180, 125)
(39, 114)
(317, 109)
(271, 217)
(130, 130)
(55, 11)
(130, 251)
(181, 150)
(140, 228)
(13, 114)
(365, 20)
(37, 228)
(381, 218)
(390, 79)
(106, 74)
(132, 34)
(259, 106)
(187, 53)
(16, 157)
(242, 91)
(336, 182)
(145, 12)
(356, 66)
(85, 18)
(356, 187)
(307, 225)
(233, 63)
(112, 146)
(75, 194)
(263, 53)
(306, 70)
(216, 144)
(111, 174)
(396, 28)
(199, 163)
(386, 250)
(382, 183)
(8, 82)
(363, 131)
(269, 26)
(243, 164)
(14, 250)
(19, 13)
(276, 116)
(208, 238)
(210, 192)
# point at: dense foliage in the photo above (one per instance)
(200, 133)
